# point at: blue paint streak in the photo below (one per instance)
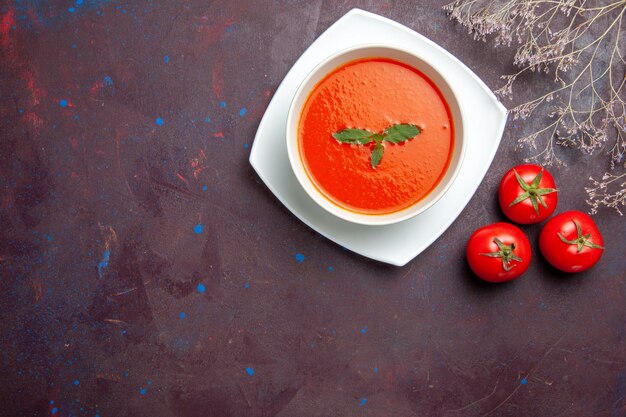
(49, 238)
(523, 381)
(73, 46)
(63, 102)
(104, 263)
(246, 146)
(55, 410)
(362, 402)
(182, 315)
(223, 104)
(207, 119)
(166, 58)
(242, 112)
(197, 229)
(76, 382)
(71, 9)
(330, 268)
(51, 402)
(299, 257)
(79, 2)
(201, 288)
(250, 371)
(97, 415)
(204, 188)
(246, 285)
(143, 391)
(158, 121)
(107, 81)
(364, 330)
(375, 370)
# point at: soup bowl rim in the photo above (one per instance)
(327, 66)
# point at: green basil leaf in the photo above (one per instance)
(354, 136)
(377, 154)
(401, 132)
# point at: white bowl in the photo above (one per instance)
(374, 51)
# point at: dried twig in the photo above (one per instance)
(609, 192)
(581, 42)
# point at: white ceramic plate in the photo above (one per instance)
(398, 243)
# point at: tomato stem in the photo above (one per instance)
(532, 191)
(505, 252)
(581, 240)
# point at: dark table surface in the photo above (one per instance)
(125, 125)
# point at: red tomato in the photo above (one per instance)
(571, 241)
(498, 252)
(527, 194)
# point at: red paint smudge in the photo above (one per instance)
(8, 21)
(217, 79)
(74, 175)
(11, 60)
(211, 33)
(198, 163)
(74, 142)
(95, 87)
(37, 289)
(32, 119)
(8, 199)
(8, 53)
(218, 135)
(182, 178)
(36, 92)
(101, 85)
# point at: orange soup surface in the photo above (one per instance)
(374, 94)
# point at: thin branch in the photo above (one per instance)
(579, 42)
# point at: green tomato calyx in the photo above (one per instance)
(581, 240)
(532, 191)
(505, 252)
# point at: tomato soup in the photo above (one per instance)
(374, 94)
